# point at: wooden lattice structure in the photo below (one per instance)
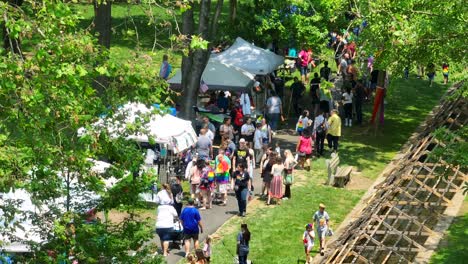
(404, 211)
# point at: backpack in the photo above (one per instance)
(321, 129)
(299, 125)
(239, 117)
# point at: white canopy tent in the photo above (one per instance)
(249, 57)
(220, 76)
(177, 133)
(24, 230)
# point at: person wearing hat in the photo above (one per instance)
(191, 222)
(321, 219)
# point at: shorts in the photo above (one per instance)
(165, 234)
(222, 187)
(194, 188)
(322, 231)
(304, 155)
(308, 246)
(304, 70)
(190, 236)
(445, 74)
(431, 76)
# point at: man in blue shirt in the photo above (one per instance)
(191, 221)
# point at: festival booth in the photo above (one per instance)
(255, 60)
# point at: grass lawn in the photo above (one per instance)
(453, 248)
(276, 231)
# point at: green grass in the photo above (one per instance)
(277, 230)
(453, 248)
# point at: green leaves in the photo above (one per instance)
(197, 42)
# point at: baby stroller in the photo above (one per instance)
(177, 235)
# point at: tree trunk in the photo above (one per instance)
(12, 44)
(232, 11)
(186, 102)
(103, 21)
(214, 25)
(195, 62)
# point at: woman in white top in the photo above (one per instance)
(247, 132)
(165, 225)
(348, 106)
(164, 197)
(276, 185)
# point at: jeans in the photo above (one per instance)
(333, 142)
(273, 120)
(241, 196)
(319, 142)
(359, 111)
(295, 104)
(243, 259)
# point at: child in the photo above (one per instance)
(207, 249)
(278, 150)
(445, 72)
(200, 257)
(308, 240)
(289, 165)
(302, 122)
(191, 259)
(258, 143)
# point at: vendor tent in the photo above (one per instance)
(249, 57)
(219, 76)
(177, 133)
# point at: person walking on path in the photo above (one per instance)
(321, 219)
(177, 194)
(241, 182)
(276, 186)
(265, 170)
(222, 173)
(266, 132)
(241, 155)
(320, 131)
(445, 72)
(274, 108)
(325, 71)
(334, 130)
(289, 164)
(204, 146)
(430, 71)
(207, 186)
(243, 239)
(315, 93)
(226, 130)
(195, 178)
(308, 239)
(348, 106)
(247, 131)
(258, 143)
(303, 58)
(165, 225)
(164, 197)
(191, 222)
(304, 148)
(297, 91)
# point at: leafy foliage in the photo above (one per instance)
(46, 95)
(404, 32)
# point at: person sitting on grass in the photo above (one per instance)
(308, 239)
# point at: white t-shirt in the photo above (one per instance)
(274, 105)
(165, 216)
(258, 136)
(163, 198)
(210, 135)
(245, 102)
(347, 98)
(247, 129)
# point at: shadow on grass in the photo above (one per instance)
(453, 247)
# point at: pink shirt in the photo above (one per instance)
(305, 145)
(304, 55)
